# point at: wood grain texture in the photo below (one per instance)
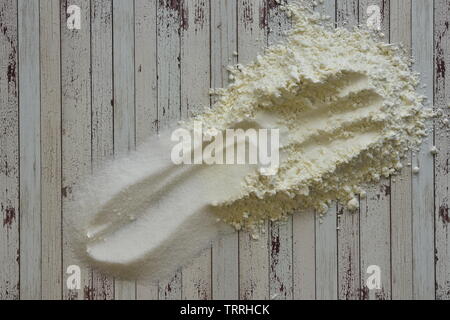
(76, 128)
(50, 57)
(145, 69)
(195, 81)
(253, 255)
(375, 208)
(169, 21)
(280, 241)
(401, 209)
(326, 253)
(102, 140)
(124, 102)
(30, 151)
(304, 255)
(225, 251)
(349, 271)
(347, 13)
(137, 66)
(146, 94)
(441, 100)
(9, 152)
(423, 182)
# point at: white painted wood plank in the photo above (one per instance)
(169, 108)
(347, 13)
(146, 94)
(146, 69)
(326, 255)
(225, 251)
(123, 46)
(9, 153)
(328, 8)
(30, 151)
(304, 255)
(195, 56)
(253, 255)
(401, 210)
(349, 279)
(124, 102)
(168, 44)
(422, 184)
(76, 127)
(195, 81)
(375, 208)
(50, 149)
(280, 270)
(441, 100)
(280, 242)
(102, 82)
(325, 227)
(102, 111)
(375, 239)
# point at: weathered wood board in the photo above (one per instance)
(72, 98)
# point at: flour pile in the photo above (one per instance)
(347, 111)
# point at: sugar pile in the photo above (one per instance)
(347, 110)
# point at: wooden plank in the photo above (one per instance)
(169, 103)
(76, 127)
(326, 253)
(347, 13)
(30, 151)
(375, 208)
(124, 102)
(123, 47)
(401, 210)
(146, 94)
(441, 100)
(422, 183)
(168, 44)
(225, 251)
(326, 8)
(304, 255)
(9, 155)
(50, 149)
(326, 228)
(280, 269)
(102, 110)
(375, 240)
(349, 278)
(280, 242)
(253, 255)
(146, 69)
(195, 81)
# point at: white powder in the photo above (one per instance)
(347, 110)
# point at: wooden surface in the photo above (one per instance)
(71, 99)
